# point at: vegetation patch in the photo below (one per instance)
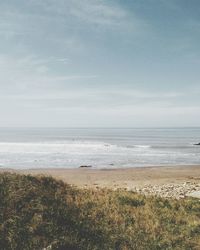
(134, 202)
(42, 213)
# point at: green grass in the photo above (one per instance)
(37, 212)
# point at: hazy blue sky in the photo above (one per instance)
(104, 63)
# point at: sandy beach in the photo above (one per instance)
(173, 181)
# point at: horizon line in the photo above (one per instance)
(95, 127)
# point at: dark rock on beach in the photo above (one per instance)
(85, 166)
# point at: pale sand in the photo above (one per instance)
(122, 178)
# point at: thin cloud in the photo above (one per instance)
(30, 72)
(98, 12)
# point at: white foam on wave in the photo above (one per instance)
(54, 147)
(142, 146)
(99, 154)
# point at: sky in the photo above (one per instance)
(99, 63)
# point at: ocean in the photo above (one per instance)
(26, 148)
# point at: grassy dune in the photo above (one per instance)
(42, 213)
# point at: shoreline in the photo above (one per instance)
(166, 181)
(104, 168)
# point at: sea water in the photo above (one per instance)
(25, 148)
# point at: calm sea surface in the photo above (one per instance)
(100, 148)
